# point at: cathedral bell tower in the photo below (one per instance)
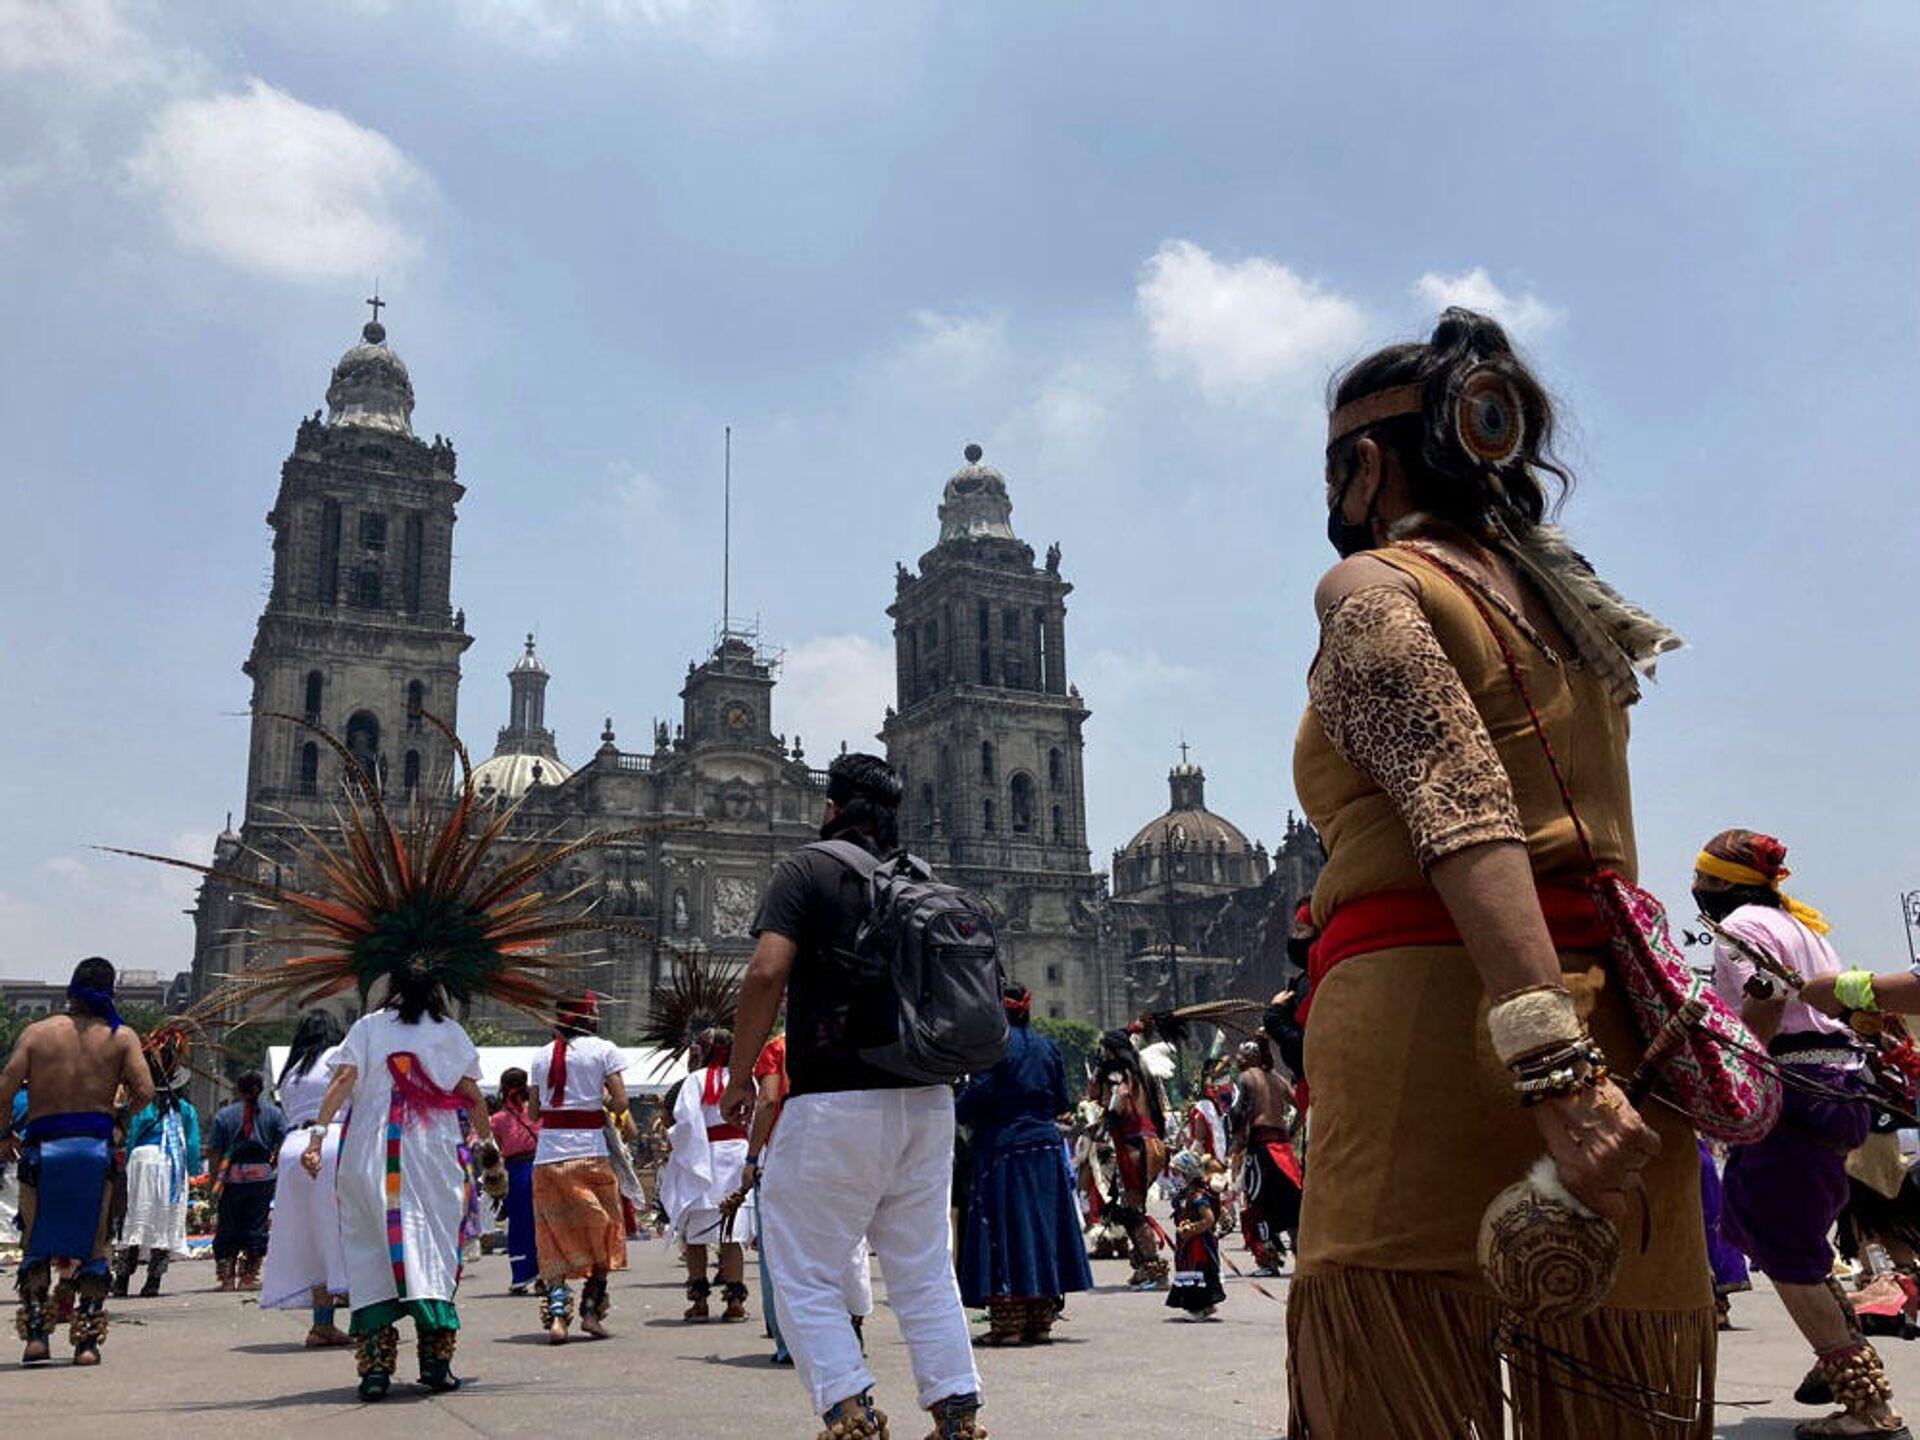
(987, 737)
(359, 633)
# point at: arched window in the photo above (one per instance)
(986, 761)
(363, 741)
(416, 701)
(314, 682)
(366, 587)
(1059, 823)
(1020, 792)
(1056, 770)
(310, 769)
(326, 582)
(926, 809)
(414, 560)
(986, 816)
(410, 772)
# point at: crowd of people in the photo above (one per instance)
(1457, 1125)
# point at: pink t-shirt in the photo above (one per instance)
(1776, 933)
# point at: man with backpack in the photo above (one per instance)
(891, 981)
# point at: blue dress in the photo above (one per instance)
(1022, 1230)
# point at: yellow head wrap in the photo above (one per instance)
(1736, 874)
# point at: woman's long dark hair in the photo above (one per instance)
(1447, 482)
(415, 993)
(318, 1033)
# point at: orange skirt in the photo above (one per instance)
(577, 1225)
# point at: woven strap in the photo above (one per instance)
(1519, 678)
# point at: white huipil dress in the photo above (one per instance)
(422, 1196)
(303, 1248)
(700, 1173)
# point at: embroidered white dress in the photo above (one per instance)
(304, 1250)
(402, 1187)
(702, 1172)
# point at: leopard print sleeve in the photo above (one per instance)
(1392, 703)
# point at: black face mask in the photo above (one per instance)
(1346, 537)
(1718, 904)
(1298, 948)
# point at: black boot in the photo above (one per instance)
(34, 1319)
(125, 1262)
(157, 1264)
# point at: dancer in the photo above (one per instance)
(1196, 1287)
(1460, 956)
(246, 1138)
(1135, 1124)
(1270, 1175)
(578, 1227)
(163, 1153)
(518, 1136)
(306, 1267)
(1021, 1249)
(72, 1064)
(1729, 1266)
(1783, 1194)
(416, 920)
(702, 1175)
(860, 1150)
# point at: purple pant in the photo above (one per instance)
(1783, 1194)
(1729, 1266)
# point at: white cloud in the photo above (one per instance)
(88, 903)
(1238, 329)
(955, 349)
(1526, 317)
(274, 185)
(561, 24)
(835, 688)
(1121, 676)
(85, 42)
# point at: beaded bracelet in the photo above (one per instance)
(1581, 1065)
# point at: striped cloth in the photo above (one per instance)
(576, 1218)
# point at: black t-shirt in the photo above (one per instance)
(818, 903)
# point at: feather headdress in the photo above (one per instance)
(693, 999)
(1236, 1018)
(450, 899)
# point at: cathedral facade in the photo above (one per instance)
(359, 634)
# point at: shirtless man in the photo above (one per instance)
(73, 1066)
(1271, 1172)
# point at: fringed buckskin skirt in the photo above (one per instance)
(1414, 1129)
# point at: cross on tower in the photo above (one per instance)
(1183, 754)
(376, 302)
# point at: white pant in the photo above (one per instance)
(877, 1163)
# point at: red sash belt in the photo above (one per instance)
(717, 1133)
(1392, 919)
(573, 1119)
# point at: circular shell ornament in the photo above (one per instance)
(1487, 417)
(1548, 1258)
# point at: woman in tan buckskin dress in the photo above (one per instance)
(1454, 887)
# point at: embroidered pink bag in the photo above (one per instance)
(1718, 1075)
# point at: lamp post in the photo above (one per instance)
(1910, 917)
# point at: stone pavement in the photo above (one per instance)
(201, 1364)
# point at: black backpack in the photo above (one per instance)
(932, 946)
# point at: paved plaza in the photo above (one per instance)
(201, 1364)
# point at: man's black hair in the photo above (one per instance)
(250, 1084)
(94, 973)
(866, 792)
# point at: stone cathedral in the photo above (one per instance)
(360, 633)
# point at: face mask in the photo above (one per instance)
(1346, 537)
(1717, 904)
(1299, 947)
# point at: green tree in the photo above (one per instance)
(12, 1022)
(492, 1032)
(245, 1045)
(1078, 1040)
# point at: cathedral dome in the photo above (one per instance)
(370, 386)
(975, 505)
(509, 776)
(1211, 853)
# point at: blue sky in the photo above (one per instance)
(1119, 245)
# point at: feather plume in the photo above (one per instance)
(1618, 640)
(694, 997)
(448, 894)
(1237, 1018)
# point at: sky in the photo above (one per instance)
(1121, 246)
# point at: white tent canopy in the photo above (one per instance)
(648, 1072)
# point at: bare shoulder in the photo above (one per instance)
(1355, 573)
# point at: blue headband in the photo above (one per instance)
(99, 1001)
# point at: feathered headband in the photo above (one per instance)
(423, 900)
(692, 1000)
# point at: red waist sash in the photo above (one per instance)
(573, 1119)
(1393, 919)
(717, 1133)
